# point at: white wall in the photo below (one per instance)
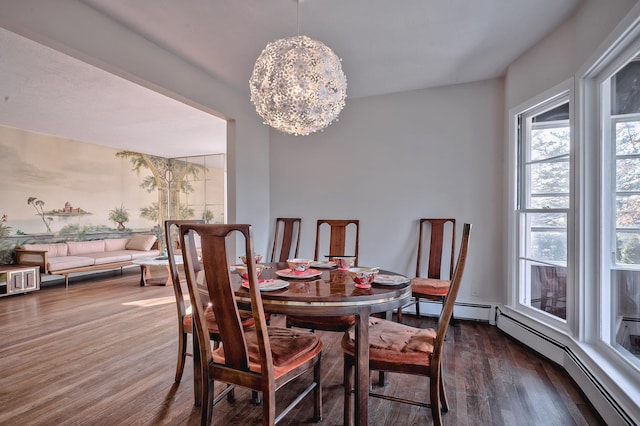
(393, 159)
(559, 55)
(78, 30)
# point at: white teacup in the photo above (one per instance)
(256, 257)
(242, 270)
(344, 262)
(298, 265)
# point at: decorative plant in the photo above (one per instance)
(119, 215)
(207, 216)
(39, 206)
(158, 231)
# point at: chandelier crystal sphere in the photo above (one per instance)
(297, 85)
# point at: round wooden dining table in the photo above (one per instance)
(333, 293)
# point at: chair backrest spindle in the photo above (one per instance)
(169, 226)
(436, 246)
(290, 227)
(338, 237)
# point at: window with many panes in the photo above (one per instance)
(620, 94)
(544, 148)
(575, 223)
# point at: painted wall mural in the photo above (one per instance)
(57, 189)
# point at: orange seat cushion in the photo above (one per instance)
(429, 287)
(393, 342)
(289, 348)
(212, 325)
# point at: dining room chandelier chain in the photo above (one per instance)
(297, 85)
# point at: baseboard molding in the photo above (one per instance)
(606, 403)
(462, 310)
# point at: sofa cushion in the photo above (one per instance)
(104, 257)
(141, 242)
(134, 254)
(53, 250)
(113, 244)
(66, 262)
(77, 248)
(137, 254)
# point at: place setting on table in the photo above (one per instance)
(300, 269)
(265, 284)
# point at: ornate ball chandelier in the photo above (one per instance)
(297, 85)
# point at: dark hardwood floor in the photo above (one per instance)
(103, 352)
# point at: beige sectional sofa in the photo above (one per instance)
(82, 256)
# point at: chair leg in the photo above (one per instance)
(317, 393)
(418, 307)
(182, 355)
(207, 402)
(268, 407)
(443, 394)
(381, 380)
(434, 396)
(399, 315)
(231, 396)
(348, 370)
(255, 398)
(197, 374)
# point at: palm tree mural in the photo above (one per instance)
(38, 204)
(169, 177)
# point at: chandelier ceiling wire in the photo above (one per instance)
(298, 85)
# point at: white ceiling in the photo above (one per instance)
(44, 91)
(386, 46)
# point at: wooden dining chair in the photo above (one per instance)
(338, 231)
(399, 348)
(337, 246)
(185, 318)
(436, 283)
(261, 358)
(283, 240)
(550, 281)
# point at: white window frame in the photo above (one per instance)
(517, 291)
(597, 109)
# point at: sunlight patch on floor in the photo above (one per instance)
(152, 302)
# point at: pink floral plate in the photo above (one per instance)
(323, 265)
(269, 285)
(288, 273)
(385, 279)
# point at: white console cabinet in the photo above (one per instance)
(16, 279)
